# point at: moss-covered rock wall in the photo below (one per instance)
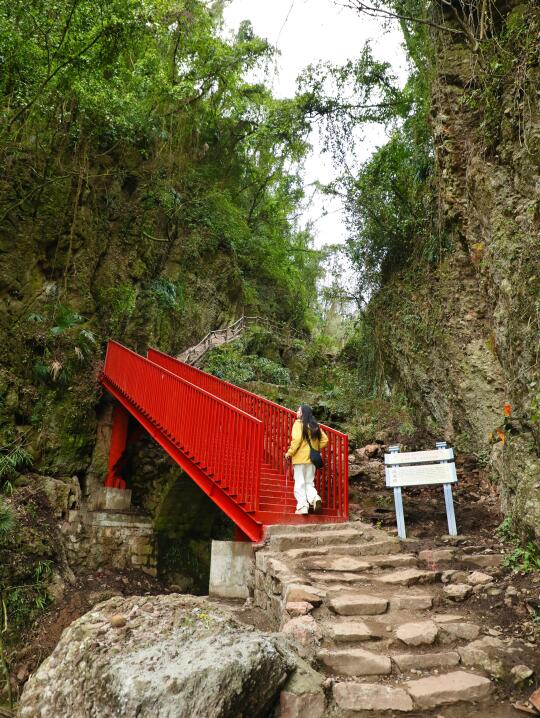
(462, 338)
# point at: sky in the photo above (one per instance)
(308, 31)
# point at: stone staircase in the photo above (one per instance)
(390, 626)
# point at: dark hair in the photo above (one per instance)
(308, 420)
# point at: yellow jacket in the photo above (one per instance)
(299, 448)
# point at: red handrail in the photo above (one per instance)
(332, 482)
(224, 441)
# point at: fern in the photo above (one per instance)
(14, 460)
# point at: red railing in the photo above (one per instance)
(332, 482)
(224, 441)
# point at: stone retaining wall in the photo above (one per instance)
(272, 586)
(104, 538)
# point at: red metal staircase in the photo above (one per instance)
(230, 441)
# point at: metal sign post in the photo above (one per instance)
(421, 468)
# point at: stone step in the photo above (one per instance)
(355, 662)
(422, 661)
(299, 529)
(361, 549)
(354, 631)
(283, 542)
(437, 555)
(357, 604)
(298, 593)
(457, 592)
(336, 563)
(412, 633)
(452, 632)
(330, 577)
(398, 560)
(448, 688)
(331, 562)
(408, 577)
(371, 697)
(411, 601)
(421, 694)
(417, 633)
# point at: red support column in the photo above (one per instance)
(119, 435)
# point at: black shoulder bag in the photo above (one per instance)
(315, 456)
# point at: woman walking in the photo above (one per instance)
(306, 435)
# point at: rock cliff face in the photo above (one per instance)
(463, 339)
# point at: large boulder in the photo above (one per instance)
(158, 657)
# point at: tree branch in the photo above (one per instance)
(377, 12)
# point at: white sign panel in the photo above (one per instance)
(419, 457)
(421, 475)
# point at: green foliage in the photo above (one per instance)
(390, 198)
(505, 78)
(389, 206)
(168, 294)
(523, 557)
(211, 160)
(12, 460)
(230, 364)
(65, 319)
(363, 354)
(535, 404)
(343, 97)
(118, 303)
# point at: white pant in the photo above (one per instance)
(305, 492)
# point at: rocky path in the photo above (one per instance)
(396, 630)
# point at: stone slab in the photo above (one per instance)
(457, 591)
(493, 560)
(355, 662)
(398, 560)
(407, 577)
(435, 556)
(337, 563)
(488, 654)
(339, 577)
(448, 688)
(358, 604)
(355, 631)
(412, 601)
(417, 633)
(477, 578)
(296, 592)
(462, 631)
(421, 661)
(311, 540)
(371, 697)
(298, 608)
